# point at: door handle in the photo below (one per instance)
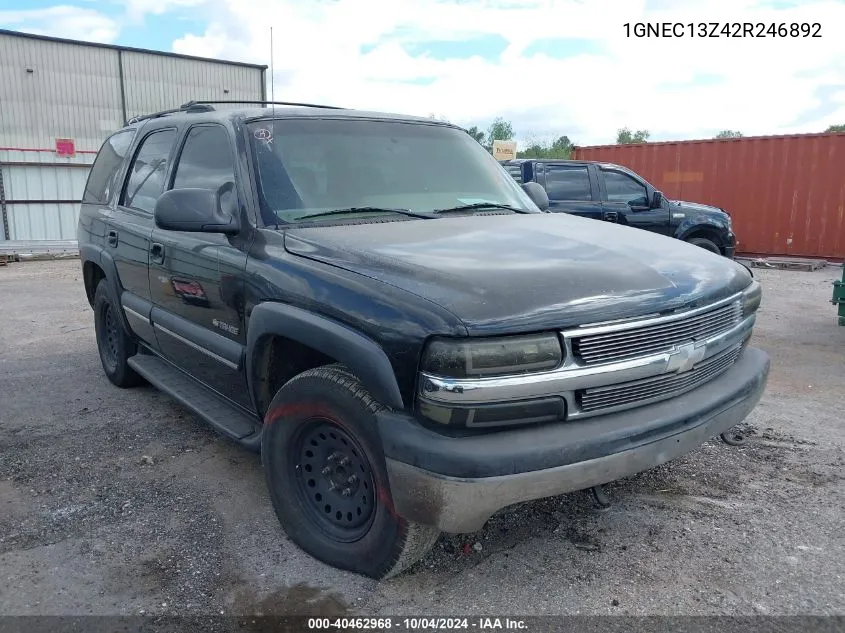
(157, 253)
(611, 216)
(112, 237)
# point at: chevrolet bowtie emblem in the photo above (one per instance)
(685, 358)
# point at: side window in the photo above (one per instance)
(102, 179)
(622, 188)
(146, 174)
(567, 183)
(206, 161)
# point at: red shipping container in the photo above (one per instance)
(786, 194)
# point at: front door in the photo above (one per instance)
(196, 279)
(131, 224)
(626, 201)
(570, 190)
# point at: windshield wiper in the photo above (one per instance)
(407, 212)
(480, 205)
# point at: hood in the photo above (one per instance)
(520, 273)
(696, 206)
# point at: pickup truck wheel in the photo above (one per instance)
(113, 342)
(706, 244)
(327, 478)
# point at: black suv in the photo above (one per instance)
(374, 304)
(604, 191)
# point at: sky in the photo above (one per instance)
(550, 67)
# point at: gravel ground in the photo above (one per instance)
(119, 502)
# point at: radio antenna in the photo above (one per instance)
(272, 77)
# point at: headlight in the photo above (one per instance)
(751, 298)
(492, 357)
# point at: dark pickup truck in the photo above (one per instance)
(604, 191)
(371, 302)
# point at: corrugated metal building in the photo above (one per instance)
(59, 99)
(786, 194)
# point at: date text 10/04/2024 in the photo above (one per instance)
(723, 29)
(417, 624)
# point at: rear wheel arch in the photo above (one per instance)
(309, 340)
(92, 274)
(99, 264)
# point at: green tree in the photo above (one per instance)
(624, 136)
(729, 134)
(563, 146)
(499, 130)
(478, 135)
(560, 148)
(836, 128)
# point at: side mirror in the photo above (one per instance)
(537, 194)
(199, 210)
(656, 200)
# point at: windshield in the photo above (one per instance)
(307, 167)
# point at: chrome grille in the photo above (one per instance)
(622, 344)
(655, 388)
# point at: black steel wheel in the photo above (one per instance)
(113, 342)
(108, 337)
(334, 479)
(327, 476)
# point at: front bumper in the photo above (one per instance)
(457, 483)
(730, 244)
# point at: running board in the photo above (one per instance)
(202, 401)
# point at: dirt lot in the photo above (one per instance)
(118, 501)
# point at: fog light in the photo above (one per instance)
(534, 411)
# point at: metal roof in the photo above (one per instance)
(60, 40)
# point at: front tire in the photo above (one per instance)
(706, 244)
(326, 473)
(113, 341)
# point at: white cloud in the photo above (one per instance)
(350, 52)
(136, 9)
(63, 21)
(681, 88)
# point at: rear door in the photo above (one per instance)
(131, 224)
(196, 279)
(102, 189)
(571, 190)
(626, 201)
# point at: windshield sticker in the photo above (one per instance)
(263, 134)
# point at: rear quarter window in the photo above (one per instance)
(102, 179)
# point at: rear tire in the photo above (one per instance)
(706, 244)
(113, 341)
(327, 477)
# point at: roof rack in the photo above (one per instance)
(207, 106)
(284, 103)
